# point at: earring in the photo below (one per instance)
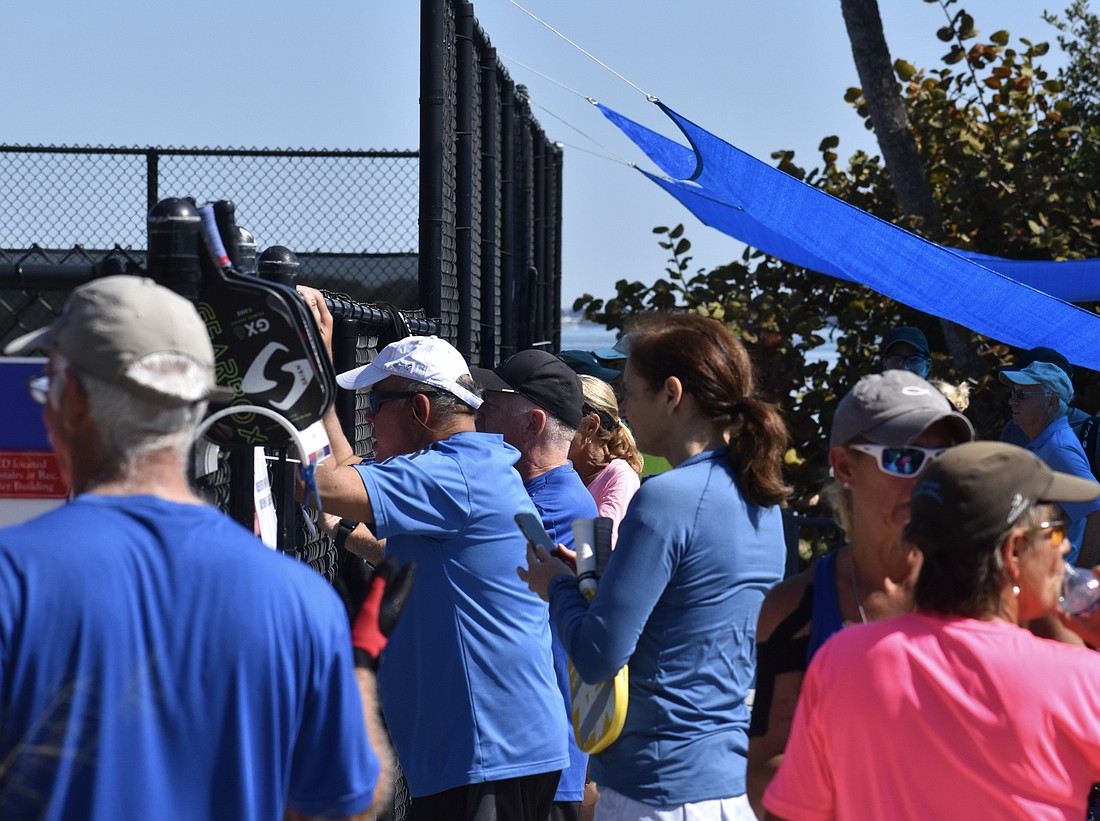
(847, 485)
(1016, 590)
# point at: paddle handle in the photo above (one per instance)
(584, 543)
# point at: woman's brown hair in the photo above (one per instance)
(714, 369)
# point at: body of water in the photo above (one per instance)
(579, 335)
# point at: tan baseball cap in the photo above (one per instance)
(971, 495)
(110, 324)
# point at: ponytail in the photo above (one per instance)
(758, 440)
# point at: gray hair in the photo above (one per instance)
(131, 427)
(558, 433)
(444, 404)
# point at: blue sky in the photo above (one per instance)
(344, 74)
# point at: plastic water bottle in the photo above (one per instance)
(1080, 590)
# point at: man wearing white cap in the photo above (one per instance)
(140, 677)
(1039, 396)
(467, 681)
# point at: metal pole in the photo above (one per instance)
(464, 173)
(492, 309)
(508, 258)
(433, 67)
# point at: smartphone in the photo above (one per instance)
(536, 534)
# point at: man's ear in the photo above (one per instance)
(537, 420)
(421, 407)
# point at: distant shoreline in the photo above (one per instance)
(580, 335)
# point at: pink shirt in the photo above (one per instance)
(923, 717)
(613, 488)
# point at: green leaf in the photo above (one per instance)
(956, 54)
(829, 143)
(904, 70)
(676, 232)
(682, 246)
(999, 37)
(660, 229)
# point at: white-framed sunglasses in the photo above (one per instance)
(906, 462)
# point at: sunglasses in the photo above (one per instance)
(1023, 396)
(376, 398)
(905, 462)
(1057, 530)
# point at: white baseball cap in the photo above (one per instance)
(426, 359)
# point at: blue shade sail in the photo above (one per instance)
(1021, 303)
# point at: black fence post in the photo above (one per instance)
(509, 263)
(492, 311)
(464, 164)
(433, 74)
(152, 178)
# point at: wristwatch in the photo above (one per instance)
(343, 530)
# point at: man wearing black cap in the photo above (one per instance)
(534, 400)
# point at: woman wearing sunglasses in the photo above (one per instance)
(989, 721)
(885, 432)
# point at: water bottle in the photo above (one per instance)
(1080, 590)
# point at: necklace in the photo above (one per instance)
(855, 587)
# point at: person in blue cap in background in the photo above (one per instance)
(1039, 397)
(906, 348)
(586, 362)
(1076, 417)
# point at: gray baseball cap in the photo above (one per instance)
(893, 408)
(110, 324)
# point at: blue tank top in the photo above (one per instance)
(826, 619)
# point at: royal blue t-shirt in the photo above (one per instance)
(158, 661)
(560, 497)
(467, 680)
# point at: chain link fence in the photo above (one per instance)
(464, 238)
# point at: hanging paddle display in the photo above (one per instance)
(266, 346)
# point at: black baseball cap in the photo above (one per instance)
(908, 334)
(541, 377)
(1041, 354)
(972, 494)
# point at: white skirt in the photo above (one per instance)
(614, 806)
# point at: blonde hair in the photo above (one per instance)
(957, 395)
(616, 437)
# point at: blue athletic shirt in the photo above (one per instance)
(158, 661)
(560, 497)
(1059, 447)
(467, 680)
(679, 601)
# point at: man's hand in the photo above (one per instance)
(315, 301)
(387, 594)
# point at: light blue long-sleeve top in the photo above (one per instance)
(679, 601)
